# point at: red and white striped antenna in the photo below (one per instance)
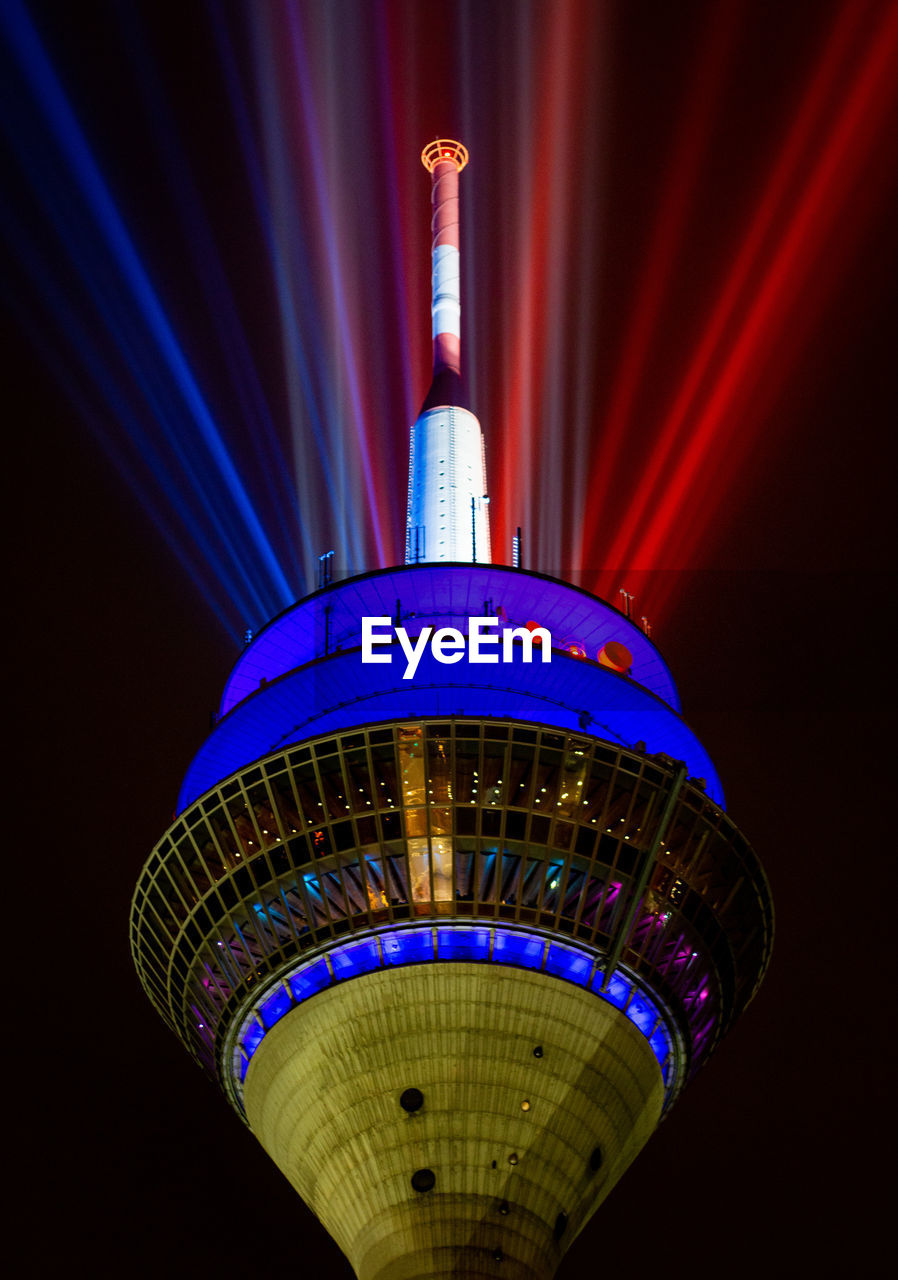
(444, 160)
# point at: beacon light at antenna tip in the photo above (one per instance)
(442, 149)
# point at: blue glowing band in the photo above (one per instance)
(447, 943)
(341, 692)
(444, 595)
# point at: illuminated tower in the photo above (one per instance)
(451, 942)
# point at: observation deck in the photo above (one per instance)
(304, 673)
(543, 834)
(463, 818)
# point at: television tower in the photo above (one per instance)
(451, 943)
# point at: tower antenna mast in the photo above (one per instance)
(448, 513)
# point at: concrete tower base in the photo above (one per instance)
(536, 1098)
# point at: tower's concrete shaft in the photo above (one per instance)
(536, 1098)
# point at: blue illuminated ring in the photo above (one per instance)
(425, 944)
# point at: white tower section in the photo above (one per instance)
(448, 507)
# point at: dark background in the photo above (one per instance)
(777, 1157)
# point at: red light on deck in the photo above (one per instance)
(615, 656)
(532, 626)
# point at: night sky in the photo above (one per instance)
(769, 585)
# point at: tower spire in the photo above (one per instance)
(444, 161)
(447, 498)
